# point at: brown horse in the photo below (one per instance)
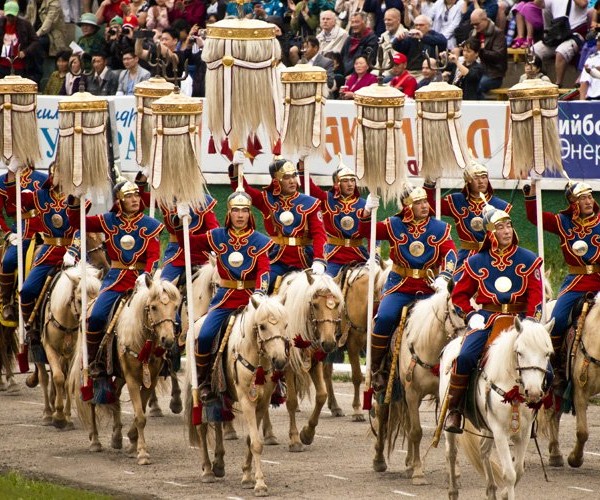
(355, 287)
(145, 329)
(257, 342)
(61, 319)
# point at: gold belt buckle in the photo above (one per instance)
(239, 285)
(292, 241)
(505, 308)
(347, 242)
(415, 273)
(589, 269)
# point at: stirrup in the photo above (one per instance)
(205, 393)
(454, 422)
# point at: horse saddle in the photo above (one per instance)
(219, 368)
(40, 319)
(569, 339)
(107, 352)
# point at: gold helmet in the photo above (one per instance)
(575, 189)
(124, 188)
(493, 216)
(412, 195)
(281, 167)
(343, 172)
(239, 199)
(474, 169)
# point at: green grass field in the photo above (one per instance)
(553, 201)
(15, 486)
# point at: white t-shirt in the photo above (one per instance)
(558, 8)
(592, 61)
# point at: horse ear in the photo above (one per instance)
(310, 277)
(148, 280)
(518, 324)
(549, 325)
(255, 302)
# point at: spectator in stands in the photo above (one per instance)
(533, 70)
(331, 37)
(258, 11)
(446, 16)
(216, 8)
(419, 40)
(469, 71)
(345, 9)
(393, 30)
(589, 47)
(19, 41)
(589, 89)
(359, 79)
(276, 8)
(57, 78)
(139, 9)
(490, 7)
(47, 19)
(182, 28)
(158, 16)
(315, 58)
(414, 8)
(91, 39)
(116, 41)
(378, 8)
(103, 81)
(338, 74)
(193, 11)
(529, 18)
(304, 21)
(73, 77)
(492, 51)
(429, 73)
(132, 75)
(361, 42)
(109, 9)
(403, 80)
(567, 50)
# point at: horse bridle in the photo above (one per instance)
(76, 313)
(150, 326)
(315, 322)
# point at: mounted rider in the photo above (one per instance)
(466, 208)
(340, 206)
(293, 220)
(133, 247)
(243, 267)
(504, 279)
(578, 228)
(32, 181)
(420, 247)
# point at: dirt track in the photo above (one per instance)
(337, 464)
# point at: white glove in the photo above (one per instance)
(14, 165)
(477, 322)
(317, 268)
(533, 175)
(239, 157)
(12, 238)
(183, 210)
(68, 260)
(145, 172)
(439, 284)
(372, 202)
(303, 153)
(141, 280)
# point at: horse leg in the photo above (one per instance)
(255, 449)
(175, 405)
(116, 441)
(207, 476)
(382, 412)
(508, 471)
(136, 432)
(229, 433)
(451, 455)
(58, 380)
(354, 347)
(332, 403)
(580, 399)
(95, 442)
(43, 374)
(218, 466)
(520, 444)
(308, 431)
(556, 458)
(268, 435)
(154, 407)
(415, 435)
(292, 405)
(485, 450)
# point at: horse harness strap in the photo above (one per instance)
(415, 360)
(587, 359)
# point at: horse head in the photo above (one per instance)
(96, 252)
(269, 326)
(325, 308)
(160, 309)
(92, 283)
(532, 348)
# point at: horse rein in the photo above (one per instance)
(150, 326)
(59, 326)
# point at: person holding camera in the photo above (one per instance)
(589, 79)
(469, 71)
(119, 38)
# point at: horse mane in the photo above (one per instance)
(130, 325)
(63, 289)
(270, 306)
(433, 309)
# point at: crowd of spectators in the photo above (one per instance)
(463, 42)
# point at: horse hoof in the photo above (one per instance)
(230, 436)
(131, 452)
(47, 420)
(117, 443)
(59, 423)
(407, 474)
(207, 477)
(419, 481)
(176, 406)
(358, 417)
(306, 436)
(155, 412)
(218, 470)
(337, 412)
(261, 491)
(296, 447)
(379, 466)
(13, 388)
(247, 484)
(271, 441)
(143, 460)
(575, 461)
(2, 387)
(556, 461)
(69, 426)
(95, 447)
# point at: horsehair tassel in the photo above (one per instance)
(319, 355)
(395, 354)
(144, 354)
(259, 376)
(300, 343)
(196, 408)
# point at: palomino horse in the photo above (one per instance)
(585, 382)
(355, 288)
(316, 302)
(145, 329)
(509, 388)
(61, 319)
(421, 345)
(256, 348)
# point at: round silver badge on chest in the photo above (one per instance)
(580, 248)
(476, 223)
(57, 221)
(127, 242)
(347, 222)
(235, 259)
(416, 249)
(503, 284)
(286, 217)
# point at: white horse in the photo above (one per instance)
(256, 348)
(515, 372)
(61, 318)
(418, 367)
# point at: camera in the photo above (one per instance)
(112, 31)
(126, 30)
(146, 34)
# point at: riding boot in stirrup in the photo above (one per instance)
(379, 348)
(559, 381)
(203, 368)
(32, 336)
(456, 391)
(7, 288)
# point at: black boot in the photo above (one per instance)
(558, 361)
(456, 392)
(203, 366)
(7, 288)
(379, 348)
(97, 368)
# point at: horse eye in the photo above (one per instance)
(262, 327)
(153, 308)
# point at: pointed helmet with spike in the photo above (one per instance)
(574, 190)
(343, 172)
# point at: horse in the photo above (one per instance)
(144, 330)
(257, 348)
(317, 302)
(585, 383)
(61, 317)
(508, 391)
(355, 287)
(421, 345)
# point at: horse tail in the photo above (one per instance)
(192, 431)
(8, 347)
(469, 442)
(84, 411)
(395, 423)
